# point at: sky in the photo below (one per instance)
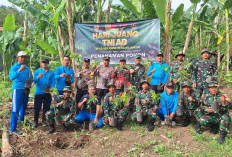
(175, 3)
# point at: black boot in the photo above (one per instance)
(186, 122)
(151, 125)
(198, 128)
(213, 129)
(52, 129)
(119, 125)
(222, 137)
(44, 120)
(36, 117)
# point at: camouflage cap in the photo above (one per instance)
(145, 81)
(186, 83)
(213, 84)
(138, 56)
(180, 53)
(91, 85)
(205, 50)
(111, 84)
(67, 89)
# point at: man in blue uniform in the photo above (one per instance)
(64, 75)
(44, 79)
(19, 74)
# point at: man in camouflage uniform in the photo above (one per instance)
(146, 105)
(83, 79)
(104, 76)
(137, 72)
(203, 69)
(111, 110)
(189, 103)
(62, 109)
(121, 75)
(206, 116)
(176, 67)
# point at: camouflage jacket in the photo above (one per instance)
(122, 76)
(109, 107)
(175, 69)
(83, 77)
(104, 76)
(67, 108)
(201, 71)
(138, 75)
(186, 103)
(148, 96)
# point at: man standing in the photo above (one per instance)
(89, 111)
(137, 72)
(63, 110)
(111, 110)
(104, 76)
(203, 69)
(83, 79)
(44, 79)
(64, 75)
(159, 72)
(176, 67)
(121, 75)
(168, 101)
(146, 105)
(189, 103)
(206, 116)
(19, 74)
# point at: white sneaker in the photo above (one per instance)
(163, 122)
(173, 123)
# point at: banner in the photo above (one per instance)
(117, 40)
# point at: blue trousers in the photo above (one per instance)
(19, 106)
(85, 116)
(162, 116)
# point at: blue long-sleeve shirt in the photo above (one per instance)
(60, 81)
(19, 78)
(171, 100)
(41, 82)
(159, 75)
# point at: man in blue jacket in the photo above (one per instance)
(159, 72)
(44, 79)
(64, 75)
(19, 73)
(168, 101)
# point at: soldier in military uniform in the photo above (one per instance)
(206, 116)
(176, 67)
(104, 76)
(111, 110)
(121, 75)
(63, 109)
(189, 103)
(203, 69)
(146, 105)
(137, 72)
(83, 79)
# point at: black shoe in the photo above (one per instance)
(44, 120)
(151, 125)
(35, 124)
(222, 137)
(119, 125)
(52, 129)
(198, 128)
(65, 128)
(186, 122)
(214, 129)
(16, 132)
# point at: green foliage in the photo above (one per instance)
(47, 47)
(54, 92)
(95, 63)
(5, 92)
(155, 96)
(133, 91)
(9, 24)
(92, 99)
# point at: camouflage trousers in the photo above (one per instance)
(120, 115)
(199, 91)
(67, 119)
(187, 113)
(224, 120)
(151, 112)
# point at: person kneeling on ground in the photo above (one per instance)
(189, 103)
(62, 111)
(90, 110)
(112, 110)
(208, 116)
(145, 105)
(168, 100)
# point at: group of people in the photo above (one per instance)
(97, 89)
